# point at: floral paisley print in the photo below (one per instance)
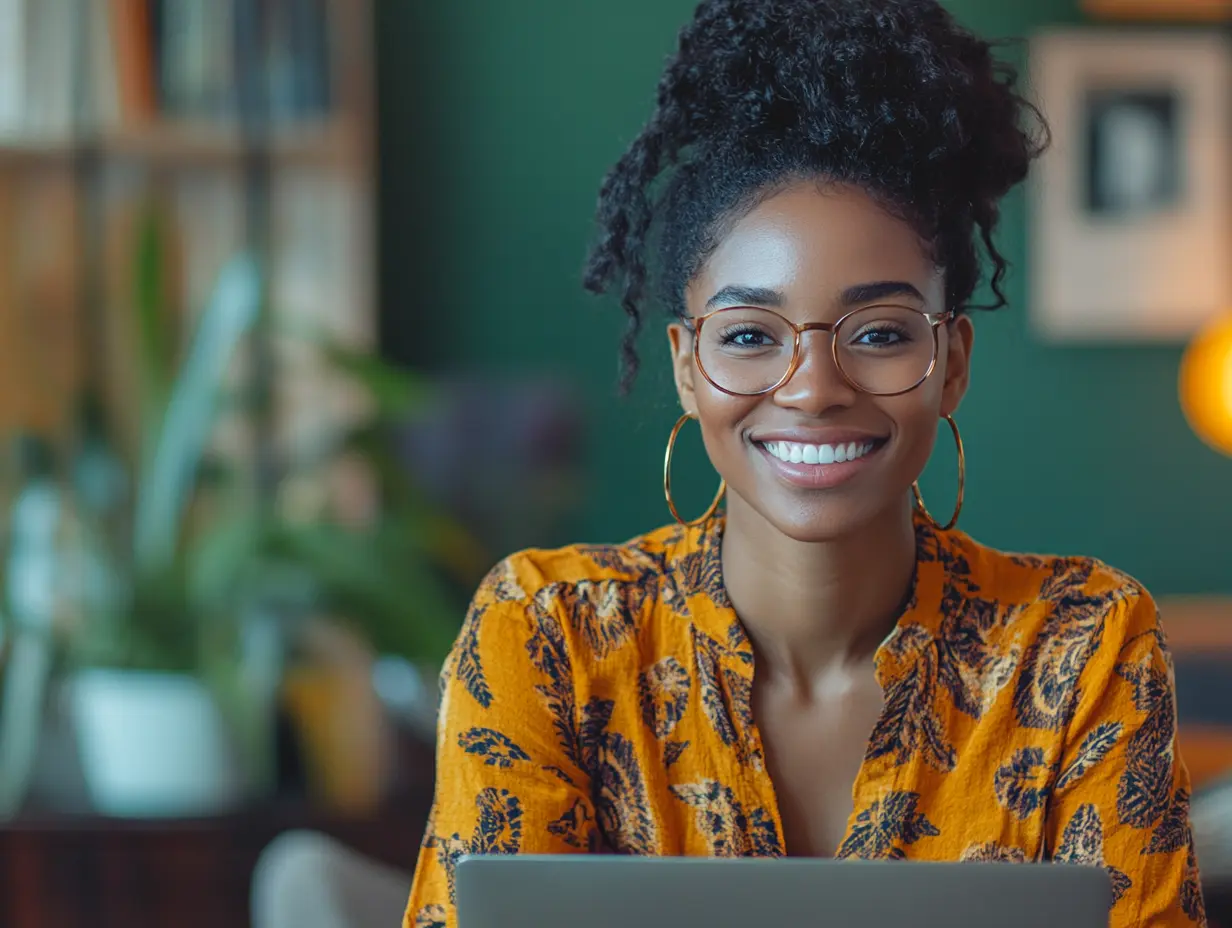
(599, 699)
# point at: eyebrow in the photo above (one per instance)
(880, 290)
(736, 295)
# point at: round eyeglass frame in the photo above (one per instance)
(935, 321)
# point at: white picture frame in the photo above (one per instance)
(1131, 207)
(1172, 11)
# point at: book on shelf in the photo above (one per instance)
(159, 80)
(40, 350)
(93, 67)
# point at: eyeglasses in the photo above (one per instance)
(883, 350)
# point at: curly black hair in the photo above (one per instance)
(892, 96)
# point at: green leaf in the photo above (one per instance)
(169, 479)
(161, 629)
(155, 350)
(400, 603)
(396, 391)
(218, 562)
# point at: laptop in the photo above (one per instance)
(657, 892)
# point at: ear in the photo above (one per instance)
(959, 340)
(683, 370)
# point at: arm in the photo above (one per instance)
(1121, 799)
(508, 778)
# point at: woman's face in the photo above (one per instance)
(814, 253)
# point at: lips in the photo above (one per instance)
(817, 464)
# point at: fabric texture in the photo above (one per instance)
(599, 699)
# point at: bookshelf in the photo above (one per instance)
(243, 123)
(191, 146)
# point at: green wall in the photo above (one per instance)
(499, 119)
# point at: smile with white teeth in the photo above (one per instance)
(795, 453)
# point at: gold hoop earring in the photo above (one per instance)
(667, 479)
(962, 483)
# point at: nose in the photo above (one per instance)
(817, 384)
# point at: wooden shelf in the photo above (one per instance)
(190, 144)
(192, 874)
(1197, 625)
(73, 196)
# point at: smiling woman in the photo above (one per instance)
(820, 669)
(848, 273)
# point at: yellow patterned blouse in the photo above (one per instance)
(598, 698)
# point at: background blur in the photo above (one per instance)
(293, 347)
(1073, 449)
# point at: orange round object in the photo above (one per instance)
(1206, 384)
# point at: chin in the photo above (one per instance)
(820, 520)
(814, 503)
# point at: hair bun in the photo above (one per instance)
(893, 81)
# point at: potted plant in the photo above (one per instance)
(151, 733)
(176, 667)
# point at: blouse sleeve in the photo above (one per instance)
(1121, 799)
(508, 780)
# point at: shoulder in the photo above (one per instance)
(589, 600)
(550, 613)
(1067, 624)
(1064, 590)
(543, 574)
(1068, 618)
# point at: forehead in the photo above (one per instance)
(812, 242)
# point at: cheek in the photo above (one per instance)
(722, 418)
(916, 419)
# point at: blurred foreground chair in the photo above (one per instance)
(307, 880)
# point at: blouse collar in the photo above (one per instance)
(698, 576)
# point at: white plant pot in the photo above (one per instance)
(152, 745)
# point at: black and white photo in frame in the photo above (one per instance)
(1131, 208)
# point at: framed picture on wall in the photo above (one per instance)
(1131, 207)
(1169, 10)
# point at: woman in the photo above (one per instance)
(808, 199)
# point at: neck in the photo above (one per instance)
(814, 607)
